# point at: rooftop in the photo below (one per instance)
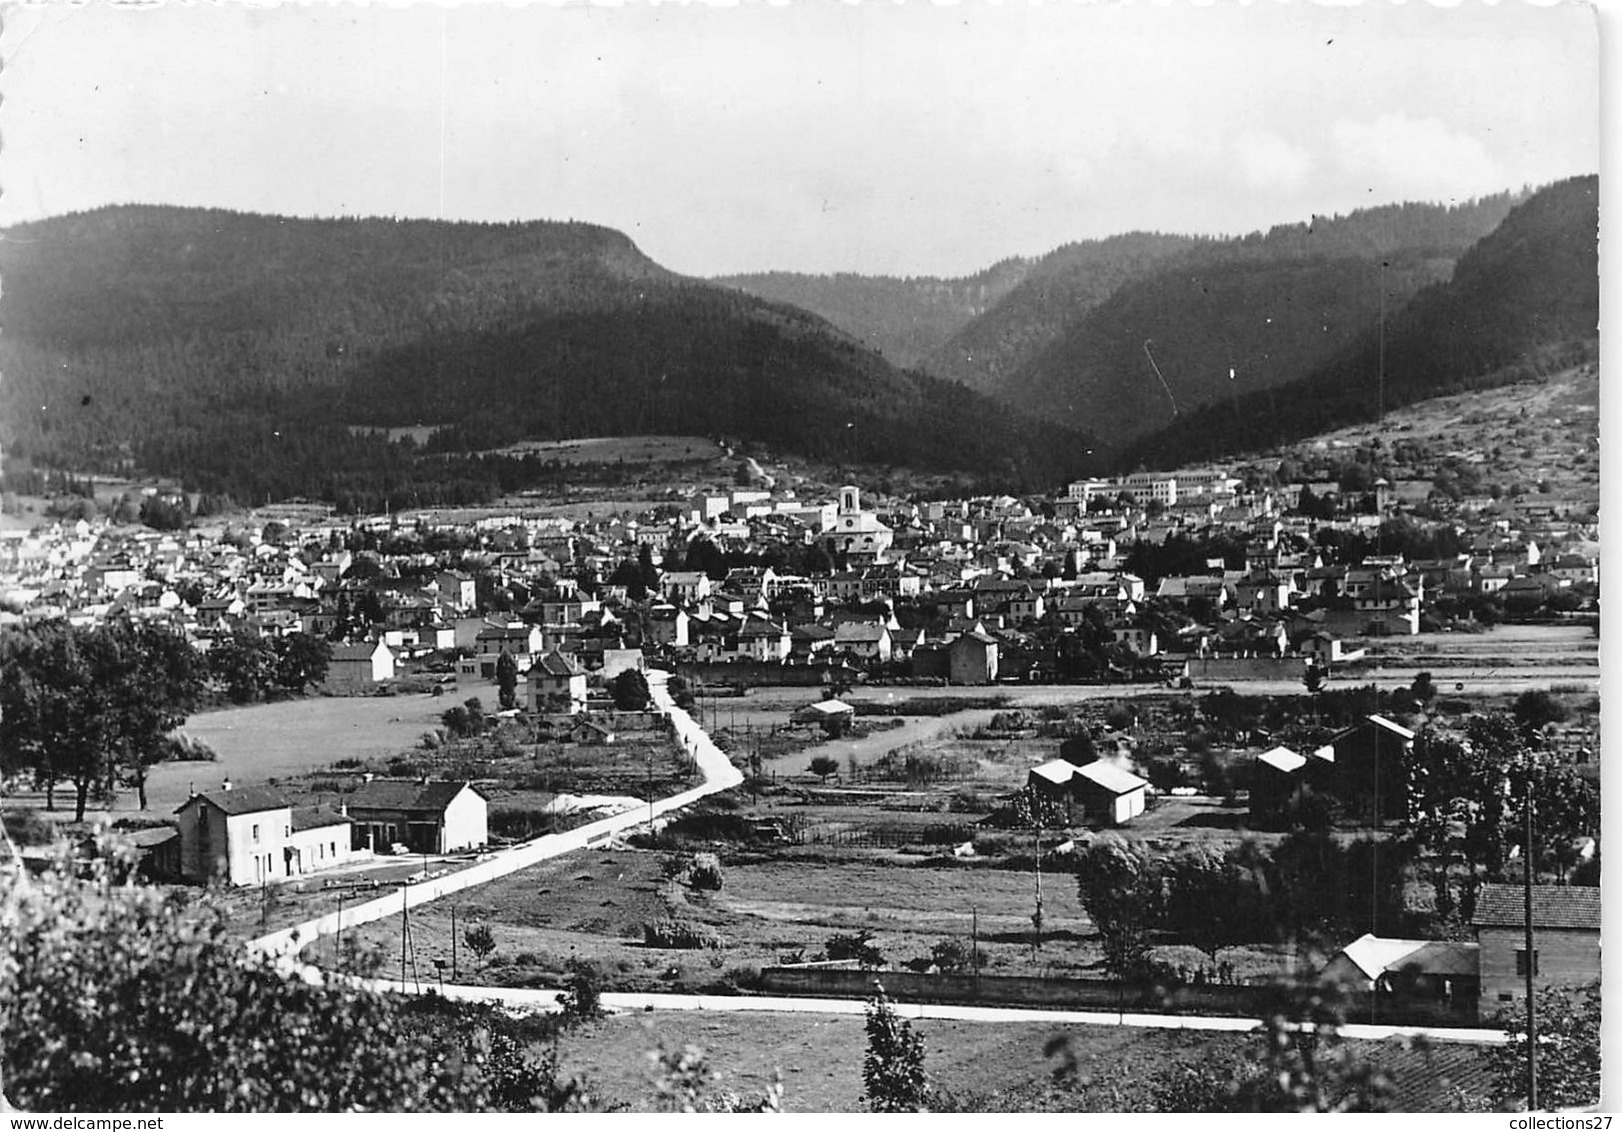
(1553, 906)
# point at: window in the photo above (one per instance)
(1520, 962)
(256, 833)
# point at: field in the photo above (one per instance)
(991, 1066)
(613, 449)
(771, 908)
(281, 740)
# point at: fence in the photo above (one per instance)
(1234, 1001)
(884, 837)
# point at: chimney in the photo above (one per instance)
(191, 788)
(226, 785)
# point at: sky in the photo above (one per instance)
(909, 139)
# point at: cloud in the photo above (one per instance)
(1415, 158)
(1267, 161)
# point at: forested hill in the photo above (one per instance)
(1226, 317)
(233, 350)
(1524, 301)
(1062, 286)
(905, 319)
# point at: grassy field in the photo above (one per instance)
(593, 906)
(993, 1066)
(281, 740)
(610, 449)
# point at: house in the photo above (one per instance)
(973, 659)
(522, 642)
(863, 640)
(1109, 794)
(457, 588)
(763, 640)
(1409, 971)
(423, 816)
(556, 683)
(590, 732)
(255, 836)
(1366, 767)
(667, 625)
(359, 668)
(1565, 937)
(1278, 784)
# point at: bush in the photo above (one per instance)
(953, 956)
(28, 827)
(114, 999)
(582, 999)
(481, 941)
(675, 934)
(858, 946)
(705, 874)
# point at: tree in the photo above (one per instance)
(823, 766)
(506, 680)
(1078, 749)
(302, 661)
(1568, 1050)
(115, 999)
(1423, 689)
(1033, 810)
(1535, 709)
(1209, 903)
(481, 941)
(245, 663)
(630, 690)
(1313, 678)
(153, 685)
(893, 1074)
(1122, 889)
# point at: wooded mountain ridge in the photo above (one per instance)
(234, 349)
(1522, 302)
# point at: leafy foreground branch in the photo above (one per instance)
(115, 998)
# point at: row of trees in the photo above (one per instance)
(251, 668)
(92, 707)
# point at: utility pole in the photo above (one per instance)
(974, 949)
(454, 972)
(1531, 968)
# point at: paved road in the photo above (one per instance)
(528, 999)
(718, 773)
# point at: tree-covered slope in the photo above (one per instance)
(1060, 287)
(1523, 301)
(905, 319)
(1227, 317)
(235, 349)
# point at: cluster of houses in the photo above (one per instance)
(256, 835)
(969, 591)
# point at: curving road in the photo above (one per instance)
(717, 770)
(719, 774)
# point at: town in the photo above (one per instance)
(1198, 660)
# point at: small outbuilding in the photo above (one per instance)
(833, 716)
(422, 815)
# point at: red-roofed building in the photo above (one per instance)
(1565, 935)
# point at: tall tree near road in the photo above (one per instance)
(506, 680)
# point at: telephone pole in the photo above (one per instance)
(1531, 969)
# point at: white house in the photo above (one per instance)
(423, 816)
(256, 836)
(359, 668)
